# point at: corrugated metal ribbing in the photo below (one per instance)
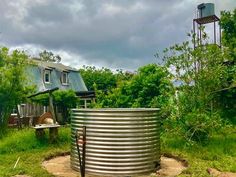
(120, 142)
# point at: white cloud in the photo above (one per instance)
(117, 34)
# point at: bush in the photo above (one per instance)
(150, 87)
(199, 126)
(13, 89)
(63, 99)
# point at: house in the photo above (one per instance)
(46, 76)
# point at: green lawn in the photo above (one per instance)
(219, 153)
(31, 151)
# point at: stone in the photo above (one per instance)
(216, 173)
(170, 167)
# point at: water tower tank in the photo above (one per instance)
(206, 9)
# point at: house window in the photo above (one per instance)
(64, 78)
(47, 76)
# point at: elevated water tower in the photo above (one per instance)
(206, 15)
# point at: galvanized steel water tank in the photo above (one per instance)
(120, 142)
(206, 9)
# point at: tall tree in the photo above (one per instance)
(227, 98)
(12, 82)
(150, 87)
(228, 24)
(103, 78)
(202, 73)
(49, 56)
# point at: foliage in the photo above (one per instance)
(150, 87)
(63, 99)
(228, 24)
(49, 56)
(219, 153)
(13, 81)
(202, 73)
(104, 78)
(123, 76)
(227, 98)
(198, 126)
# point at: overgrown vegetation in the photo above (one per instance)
(202, 73)
(13, 89)
(63, 99)
(227, 97)
(218, 153)
(149, 87)
(103, 79)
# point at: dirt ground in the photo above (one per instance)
(60, 167)
(217, 173)
(170, 167)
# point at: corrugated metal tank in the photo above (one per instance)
(120, 142)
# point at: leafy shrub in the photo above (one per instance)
(198, 126)
(150, 87)
(202, 73)
(13, 89)
(63, 99)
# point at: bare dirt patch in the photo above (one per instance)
(216, 173)
(171, 166)
(60, 167)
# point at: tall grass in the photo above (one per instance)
(32, 151)
(25, 140)
(219, 152)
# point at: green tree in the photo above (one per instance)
(49, 56)
(104, 78)
(202, 72)
(13, 83)
(228, 24)
(150, 87)
(63, 99)
(227, 98)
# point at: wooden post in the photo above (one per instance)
(18, 118)
(85, 103)
(51, 107)
(40, 133)
(53, 134)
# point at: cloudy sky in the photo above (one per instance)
(122, 34)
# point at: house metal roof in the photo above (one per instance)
(35, 73)
(52, 65)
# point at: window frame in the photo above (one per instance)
(47, 72)
(66, 78)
